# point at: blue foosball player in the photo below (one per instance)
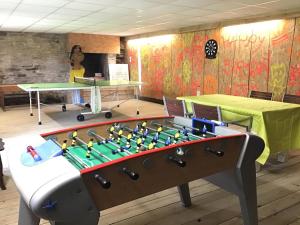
(168, 141)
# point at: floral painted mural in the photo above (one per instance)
(260, 60)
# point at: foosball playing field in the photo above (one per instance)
(123, 141)
(102, 165)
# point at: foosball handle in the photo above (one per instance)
(177, 160)
(102, 181)
(215, 152)
(133, 175)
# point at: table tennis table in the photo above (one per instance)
(91, 84)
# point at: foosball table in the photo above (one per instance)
(73, 174)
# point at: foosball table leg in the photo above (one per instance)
(26, 216)
(2, 186)
(247, 194)
(184, 193)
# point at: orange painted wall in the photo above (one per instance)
(257, 60)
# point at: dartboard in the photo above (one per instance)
(211, 49)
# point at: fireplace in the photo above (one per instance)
(95, 63)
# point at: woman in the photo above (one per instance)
(76, 58)
(77, 70)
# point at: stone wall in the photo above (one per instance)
(93, 43)
(33, 58)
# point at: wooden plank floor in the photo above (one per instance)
(278, 188)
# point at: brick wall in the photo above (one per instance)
(33, 58)
(93, 43)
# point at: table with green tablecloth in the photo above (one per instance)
(277, 123)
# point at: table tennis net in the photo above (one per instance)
(84, 80)
(95, 82)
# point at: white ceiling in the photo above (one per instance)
(129, 17)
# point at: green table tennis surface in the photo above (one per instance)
(41, 86)
(107, 150)
(74, 85)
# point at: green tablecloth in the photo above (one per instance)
(277, 123)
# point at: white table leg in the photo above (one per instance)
(138, 101)
(30, 103)
(39, 106)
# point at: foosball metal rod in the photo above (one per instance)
(191, 128)
(181, 126)
(74, 157)
(102, 181)
(130, 139)
(165, 133)
(129, 129)
(84, 143)
(170, 135)
(90, 132)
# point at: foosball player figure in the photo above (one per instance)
(127, 146)
(64, 147)
(176, 136)
(159, 129)
(136, 130)
(155, 138)
(111, 133)
(204, 130)
(120, 133)
(90, 143)
(88, 153)
(139, 143)
(74, 134)
(145, 133)
(117, 126)
(185, 132)
(118, 140)
(151, 145)
(168, 141)
(143, 126)
(73, 143)
(129, 137)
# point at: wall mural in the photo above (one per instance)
(187, 62)
(280, 55)
(133, 62)
(256, 60)
(241, 65)
(177, 62)
(259, 63)
(294, 73)
(211, 66)
(198, 63)
(226, 55)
